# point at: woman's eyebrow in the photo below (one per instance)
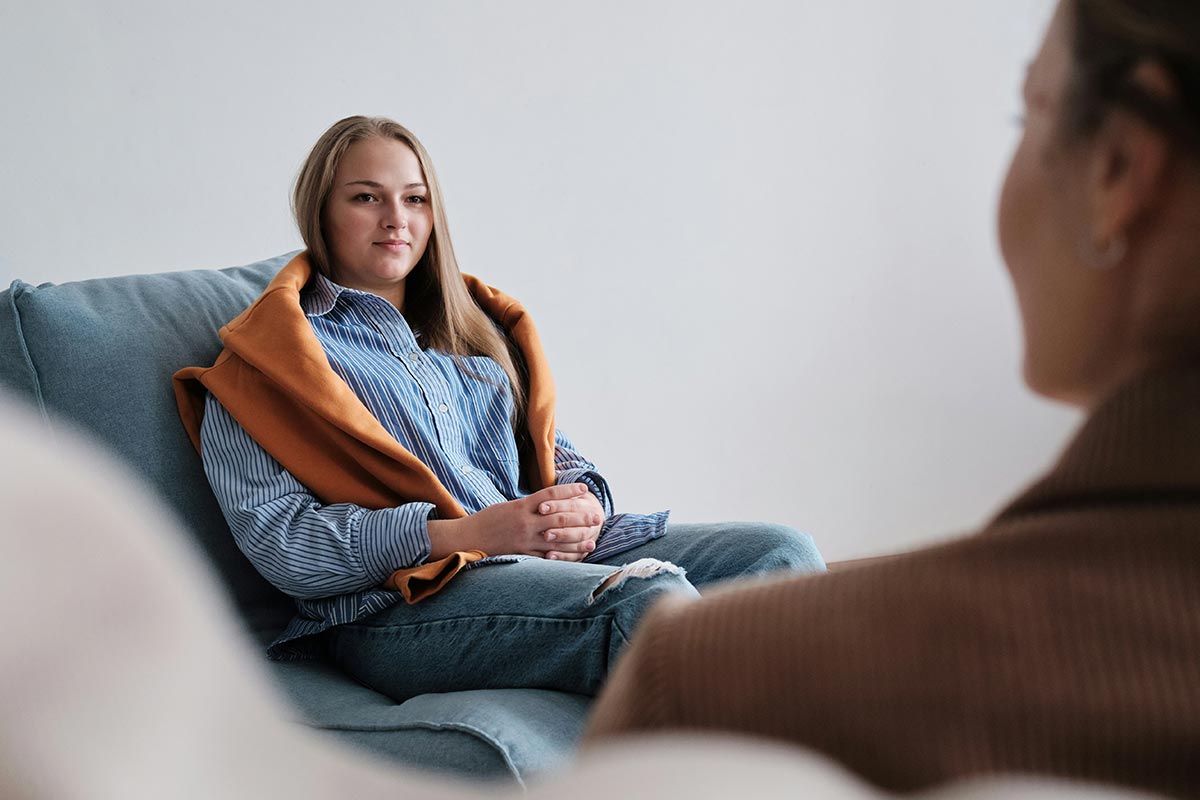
(378, 185)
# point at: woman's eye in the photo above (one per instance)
(416, 199)
(364, 197)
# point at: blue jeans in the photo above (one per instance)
(547, 624)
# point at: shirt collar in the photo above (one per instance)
(320, 296)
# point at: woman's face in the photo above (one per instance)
(378, 219)
(1065, 306)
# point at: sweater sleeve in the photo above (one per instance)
(802, 659)
(303, 547)
(882, 667)
(1035, 650)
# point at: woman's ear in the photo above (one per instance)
(1130, 161)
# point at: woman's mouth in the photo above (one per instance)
(392, 245)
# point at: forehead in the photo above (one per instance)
(381, 160)
(1050, 68)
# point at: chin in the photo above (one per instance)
(1053, 385)
(391, 271)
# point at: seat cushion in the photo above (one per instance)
(485, 734)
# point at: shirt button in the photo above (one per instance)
(467, 470)
(414, 356)
(443, 408)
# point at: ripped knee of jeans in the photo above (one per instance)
(642, 568)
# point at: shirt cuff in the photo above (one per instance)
(594, 481)
(394, 538)
(626, 531)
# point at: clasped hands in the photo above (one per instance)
(560, 523)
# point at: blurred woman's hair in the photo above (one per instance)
(1110, 39)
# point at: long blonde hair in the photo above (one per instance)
(436, 300)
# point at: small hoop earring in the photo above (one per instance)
(1104, 255)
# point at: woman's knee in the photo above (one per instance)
(782, 547)
(629, 592)
(642, 581)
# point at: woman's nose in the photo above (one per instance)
(395, 218)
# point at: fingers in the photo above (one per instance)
(558, 555)
(560, 523)
(585, 508)
(564, 492)
(571, 520)
(570, 544)
(576, 505)
(570, 535)
(571, 540)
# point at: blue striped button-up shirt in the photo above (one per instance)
(452, 413)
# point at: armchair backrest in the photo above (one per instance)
(99, 354)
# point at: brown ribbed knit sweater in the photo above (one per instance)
(1064, 638)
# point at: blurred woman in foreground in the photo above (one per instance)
(1064, 638)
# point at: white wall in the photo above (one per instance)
(757, 236)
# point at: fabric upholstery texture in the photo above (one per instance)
(475, 733)
(98, 355)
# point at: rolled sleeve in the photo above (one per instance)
(571, 467)
(395, 536)
(626, 531)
